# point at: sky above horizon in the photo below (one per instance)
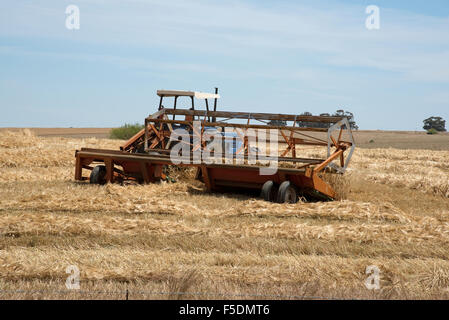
(264, 56)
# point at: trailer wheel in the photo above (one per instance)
(98, 175)
(269, 191)
(287, 193)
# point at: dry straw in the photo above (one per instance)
(175, 236)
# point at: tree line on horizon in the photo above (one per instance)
(432, 124)
(310, 124)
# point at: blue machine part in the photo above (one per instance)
(231, 142)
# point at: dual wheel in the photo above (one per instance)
(285, 193)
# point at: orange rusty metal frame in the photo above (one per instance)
(216, 177)
(147, 168)
(143, 157)
(296, 135)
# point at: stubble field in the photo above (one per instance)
(177, 241)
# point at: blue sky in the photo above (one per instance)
(266, 56)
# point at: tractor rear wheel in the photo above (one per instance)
(287, 193)
(98, 175)
(269, 191)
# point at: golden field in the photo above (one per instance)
(177, 241)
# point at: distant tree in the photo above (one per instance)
(281, 123)
(436, 123)
(325, 124)
(349, 115)
(338, 113)
(126, 131)
(304, 124)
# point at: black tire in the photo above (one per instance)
(98, 175)
(287, 193)
(269, 191)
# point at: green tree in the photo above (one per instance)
(338, 113)
(436, 123)
(349, 115)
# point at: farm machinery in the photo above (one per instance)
(230, 150)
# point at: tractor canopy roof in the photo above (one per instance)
(195, 94)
